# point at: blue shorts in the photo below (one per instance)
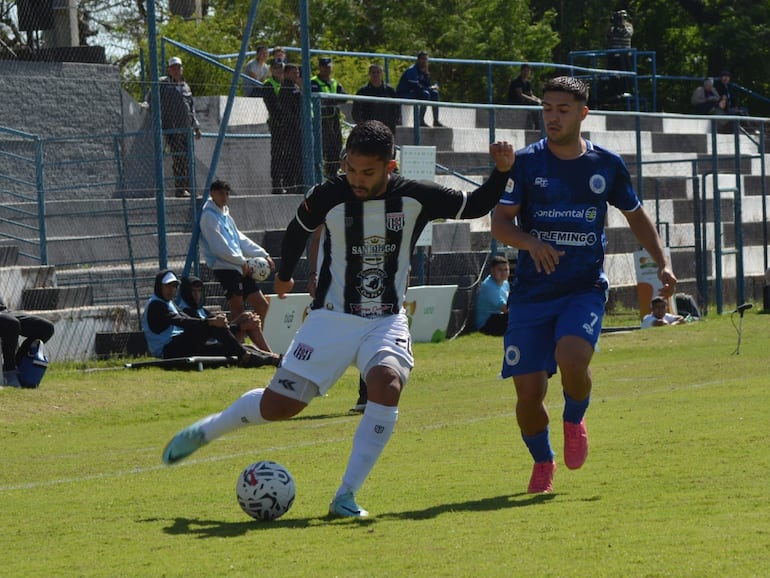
(535, 328)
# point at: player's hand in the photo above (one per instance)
(668, 279)
(282, 287)
(503, 154)
(270, 262)
(544, 255)
(246, 270)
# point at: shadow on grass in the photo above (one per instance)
(219, 529)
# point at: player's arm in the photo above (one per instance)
(644, 230)
(483, 199)
(504, 229)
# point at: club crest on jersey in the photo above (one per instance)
(598, 184)
(371, 283)
(302, 352)
(394, 221)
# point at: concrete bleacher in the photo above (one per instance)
(86, 225)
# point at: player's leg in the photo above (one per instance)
(385, 358)
(529, 359)
(255, 407)
(577, 333)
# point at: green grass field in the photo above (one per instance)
(676, 483)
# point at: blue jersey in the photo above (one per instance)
(564, 203)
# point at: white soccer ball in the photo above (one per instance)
(265, 490)
(260, 268)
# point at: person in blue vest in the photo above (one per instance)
(416, 83)
(170, 333)
(331, 129)
(190, 301)
(227, 251)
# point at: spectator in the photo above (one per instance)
(285, 108)
(12, 326)
(279, 54)
(660, 315)
(492, 299)
(520, 93)
(331, 130)
(179, 118)
(190, 302)
(705, 98)
(722, 86)
(388, 114)
(257, 69)
(416, 84)
(227, 250)
(171, 333)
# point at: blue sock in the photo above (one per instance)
(574, 410)
(539, 445)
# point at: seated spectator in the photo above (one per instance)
(722, 86)
(492, 298)
(247, 324)
(660, 315)
(12, 326)
(705, 98)
(227, 251)
(171, 333)
(416, 83)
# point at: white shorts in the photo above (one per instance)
(328, 342)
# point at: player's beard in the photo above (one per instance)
(376, 190)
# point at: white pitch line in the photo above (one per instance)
(433, 426)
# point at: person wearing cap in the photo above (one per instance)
(190, 300)
(331, 129)
(619, 57)
(227, 251)
(177, 109)
(388, 114)
(660, 315)
(416, 83)
(170, 333)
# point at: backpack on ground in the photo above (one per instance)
(32, 365)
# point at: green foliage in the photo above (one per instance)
(677, 424)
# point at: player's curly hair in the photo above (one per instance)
(371, 138)
(568, 84)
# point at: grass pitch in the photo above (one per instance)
(675, 483)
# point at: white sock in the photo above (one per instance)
(244, 411)
(372, 435)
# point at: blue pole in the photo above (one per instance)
(308, 150)
(41, 200)
(193, 248)
(157, 137)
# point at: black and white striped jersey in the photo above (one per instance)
(365, 252)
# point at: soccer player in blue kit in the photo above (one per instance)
(553, 211)
(371, 220)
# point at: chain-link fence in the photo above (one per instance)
(89, 210)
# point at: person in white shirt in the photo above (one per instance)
(660, 315)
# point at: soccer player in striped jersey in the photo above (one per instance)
(371, 220)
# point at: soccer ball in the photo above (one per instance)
(265, 490)
(260, 268)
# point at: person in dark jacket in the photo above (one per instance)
(388, 114)
(12, 326)
(191, 301)
(171, 333)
